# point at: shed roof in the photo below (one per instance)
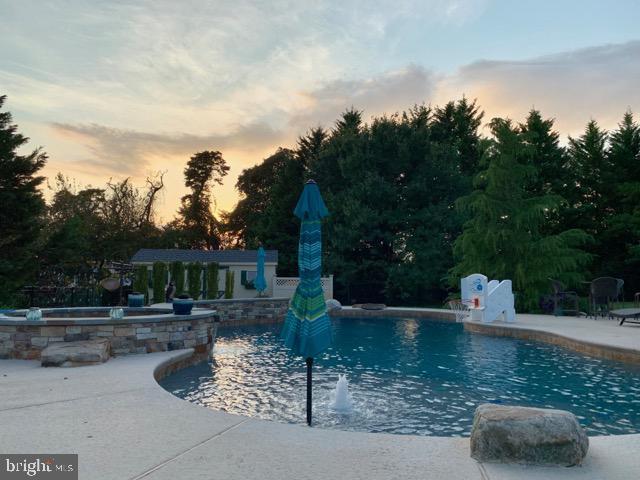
(150, 255)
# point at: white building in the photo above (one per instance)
(242, 262)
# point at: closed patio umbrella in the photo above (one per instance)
(307, 328)
(260, 283)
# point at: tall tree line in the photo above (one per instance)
(420, 198)
(417, 199)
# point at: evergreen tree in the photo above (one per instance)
(177, 277)
(194, 279)
(545, 154)
(591, 184)
(199, 226)
(457, 124)
(622, 235)
(504, 239)
(264, 214)
(23, 207)
(590, 191)
(159, 281)
(549, 160)
(212, 280)
(444, 150)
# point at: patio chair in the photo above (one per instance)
(602, 292)
(564, 301)
(620, 296)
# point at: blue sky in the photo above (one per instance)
(123, 88)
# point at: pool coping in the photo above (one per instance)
(166, 316)
(174, 438)
(592, 347)
(396, 312)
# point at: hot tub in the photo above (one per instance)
(141, 330)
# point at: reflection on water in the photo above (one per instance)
(411, 377)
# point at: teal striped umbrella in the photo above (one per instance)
(307, 328)
(260, 283)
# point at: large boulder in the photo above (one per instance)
(535, 436)
(333, 304)
(76, 354)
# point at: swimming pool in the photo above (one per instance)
(409, 377)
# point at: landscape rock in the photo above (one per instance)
(76, 354)
(507, 434)
(333, 304)
(373, 306)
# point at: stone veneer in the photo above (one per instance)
(141, 334)
(247, 311)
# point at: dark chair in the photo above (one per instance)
(602, 292)
(620, 297)
(564, 301)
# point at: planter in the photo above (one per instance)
(182, 306)
(135, 300)
(34, 314)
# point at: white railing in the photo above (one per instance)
(284, 287)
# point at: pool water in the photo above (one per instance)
(409, 377)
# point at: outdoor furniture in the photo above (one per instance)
(602, 292)
(636, 299)
(630, 315)
(620, 297)
(563, 299)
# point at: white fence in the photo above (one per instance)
(284, 287)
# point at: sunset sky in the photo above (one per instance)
(124, 88)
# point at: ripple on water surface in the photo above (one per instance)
(409, 377)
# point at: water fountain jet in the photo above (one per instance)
(342, 400)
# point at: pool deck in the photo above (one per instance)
(124, 425)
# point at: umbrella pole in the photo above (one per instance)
(309, 365)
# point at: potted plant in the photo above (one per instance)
(182, 305)
(135, 299)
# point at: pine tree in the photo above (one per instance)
(590, 191)
(545, 154)
(622, 234)
(197, 222)
(22, 208)
(591, 176)
(504, 239)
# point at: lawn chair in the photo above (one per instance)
(563, 299)
(602, 292)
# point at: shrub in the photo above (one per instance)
(212, 280)
(193, 275)
(228, 284)
(141, 281)
(159, 277)
(177, 275)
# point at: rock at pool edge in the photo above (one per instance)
(535, 436)
(76, 354)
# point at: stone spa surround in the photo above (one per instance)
(154, 330)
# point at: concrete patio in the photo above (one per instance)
(124, 425)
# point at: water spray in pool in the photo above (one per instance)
(342, 400)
